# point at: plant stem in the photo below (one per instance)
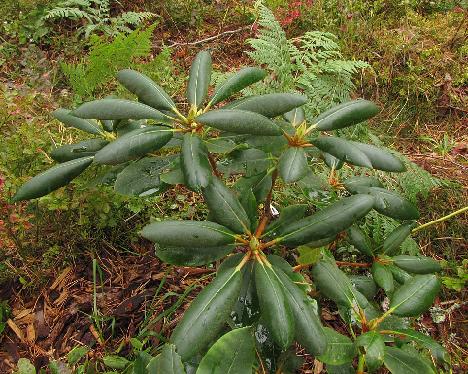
(360, 368)
(213, 165)
(427, 224)
(354, 264)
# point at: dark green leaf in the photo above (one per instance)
(415, 296)
(69, 120)
(199, 79)
(340, 349)
(249, 203)
(328, 222)
(147, 91)
(141, 178)
(239, 122)
(220, 145)
(295, 116)
(331, 161)
(207, 315)
(364, 285)
(288, 215)
(126, 126)
(188, 234)
(308, 328)
(343, 150)
(115, 362)
(70, 152)
(360, 240)
(233, 353)
(274, 306)
(260, 185)
(400, 362)
(108, 124)
(195, 163)
(392, 243)
(237, 82)
(381, 159)
(354, 184)
(417, 264)
(391, 204)
(192, 256)
(167, 362)
(346, 114)
(269, 105)
(134, 144)
(383, 277)
(374, 346)
(225, 207)
(52, 179)
(246, 311)
(292, 164)
(399, 275)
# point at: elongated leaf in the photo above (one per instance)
(400, 362)
(167, 362)
(195, 163)
(391, 204)
(331, 161)
(273, 305)
(225, 207)
(220, 145)
(192, 256)
(346, 114)
(292, 164)
(52, 179)
(295, 116)
(233, 353)
(354, 184)
(328, 222)
(239, 122)
(207, 315)
(249, 203)
(340, 349)
(118, 109)
(308, 328)
(69, 120)
(288, 215)
(147, 91)
(246, 311)
(437, 351)
(135, 144)
(141, 178)
(108, 124)
(417, 264)
(415, 296)
(188, 234)
(343, 150)
(126, 126)
(392, 243)
(199, 79)
(383, 277)
(374, 346)
(70, 152)
(381, 159)
(359, 240)
(269, 105)
(399, 275)
(364, 285)
(240, 80)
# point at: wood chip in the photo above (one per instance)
(15, 329)
(30, 333)
(61, 278)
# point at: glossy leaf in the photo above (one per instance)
(192, 256)
(220, 145)
(239, 122)
(141, 178)
(392, 205)
(340, 349)
(417, 264)
(199, 79)
(374, 345)
(383, 277)
(108, 124)
(331, 161)
(207, 315)
(246, 311)
(359, 240)
(118, 109)
(288, 215)
(346, 114)
(188, 233)
(364, 285)
(292, 164)
(269, 105)
(415, 296)
(295, 116)
(167, 362)
(308, 328)
(355, 184)
(392, 243)
(237, 82)
(52, 179)
(400, 362)
(195, 163)
(70, 152)
(147, 91)
(273, 305)
(399, 275)
(343, 150)
(233, 353)
(225, 207)
(381, 159)
(328, 222)
(69, 120)
(134, 144)
(249, 203)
